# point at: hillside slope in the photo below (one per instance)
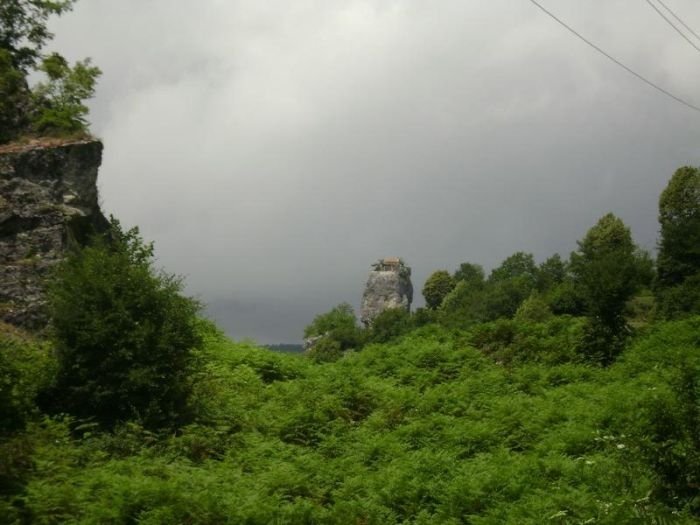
(426, 429)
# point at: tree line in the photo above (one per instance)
(608, 280)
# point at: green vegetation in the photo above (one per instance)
(679, 246)
(496, 425)
(566, 392)
(437, 287)
(123, 335)
(54, 106)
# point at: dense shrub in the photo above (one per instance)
(26, 368)
(123, 333)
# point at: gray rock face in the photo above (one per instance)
(389, 286)
(48, 200)
(310, 342)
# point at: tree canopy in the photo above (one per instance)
(55, 105)
(436, 288)
(679, 216)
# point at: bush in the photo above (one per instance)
(123, 334)
(26, 367)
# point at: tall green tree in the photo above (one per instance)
(436, 288)
(123, 333)
(605, 272)
(678, 261)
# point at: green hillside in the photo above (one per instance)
(426, 429)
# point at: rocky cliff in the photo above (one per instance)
(48, 200)
(388, 286)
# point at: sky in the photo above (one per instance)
(274, 149)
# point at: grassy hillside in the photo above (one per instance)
(501, 424)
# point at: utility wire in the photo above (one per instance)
(674, 26)
(674, 15)
(615, 60)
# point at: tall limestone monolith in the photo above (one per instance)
(388, 286)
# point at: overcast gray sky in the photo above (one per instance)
(274, 149)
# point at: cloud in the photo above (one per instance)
(273, 150)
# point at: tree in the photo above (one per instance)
(679, 246)
(55, 105)
(23, 31)
(551, 273)
(520, 264)
(14, 99)
(436, 288)
(472, 274)
(59, 102)
(123, 334)
(501, 298)
(604, 269)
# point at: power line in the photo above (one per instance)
(673, 26)
(615, 60)
(674, 15)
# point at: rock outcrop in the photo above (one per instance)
(389, 286)
(48, 200)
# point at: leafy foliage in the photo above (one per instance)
(533, 309)
(123, 334)
(551, 273)
(425, 429)
(23, 31)
(390, 324)
(605, 271)
(334, 332)
(55, 106)
(14, 99)
(679, 245)
(59, 102)
(473, 274)
(519, 265)
(436, 288)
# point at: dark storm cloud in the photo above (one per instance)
(273, 150)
